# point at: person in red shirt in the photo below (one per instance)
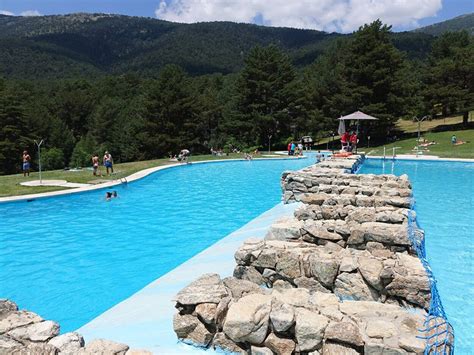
(345, 140)
(289, 148)
(353, 141)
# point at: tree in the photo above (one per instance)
(373, 70)
(167, 109)
(15, 135)
(265, 97)
(450, 75)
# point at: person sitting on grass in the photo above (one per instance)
(454, 139)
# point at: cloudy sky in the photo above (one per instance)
(327, 15)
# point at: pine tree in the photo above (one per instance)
(265, 97)
(450, 75)
(15, 135)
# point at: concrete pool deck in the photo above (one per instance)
(145, 320)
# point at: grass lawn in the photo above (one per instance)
(10, 184)
(443, 147)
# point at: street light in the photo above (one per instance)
(38, 144)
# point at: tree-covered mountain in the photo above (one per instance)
(460, 23)
(98, 43)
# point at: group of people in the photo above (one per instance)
(107, 161)
(295, 149)
(349, 141)
(183, 156)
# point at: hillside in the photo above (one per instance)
(463, 22)
(94, 43)
(91, 44)
(63, 46)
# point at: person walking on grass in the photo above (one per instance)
(108, 162)
(26, 163)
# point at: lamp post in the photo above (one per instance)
(38, 144)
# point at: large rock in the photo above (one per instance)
(7, 306)
(309, 329)
(206, 289)
(387, 234)
(351, 286)
(206, 312)
(248, 319)
(68, 343)
(18, 319)
(282, 316)
(331, 348)
(370, 269)
(410, 281)
(285, 229)
(42, 331)
(280, 346)
(189, 328)
(224, 343)
(102, 346)
(7, 343)
(344, 332)
(324, 269)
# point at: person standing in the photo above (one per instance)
(353, 141)
(289, 148)
(292, 148)
(108, 162)
(26, 163)
(95, 164)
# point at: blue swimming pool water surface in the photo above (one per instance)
(445, 210)
(70, 258)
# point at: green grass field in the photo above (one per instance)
(10, 184)
(443, 147)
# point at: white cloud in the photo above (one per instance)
(30, 13)
(8, 13)
(328, 15)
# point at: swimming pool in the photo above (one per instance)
(70, 258)
(445, 210)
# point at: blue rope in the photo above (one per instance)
(441, 330)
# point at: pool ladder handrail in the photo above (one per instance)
(393, 154)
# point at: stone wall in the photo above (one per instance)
(26, 333)
(340, 277)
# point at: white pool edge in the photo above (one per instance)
(144, 320)
(422, 158)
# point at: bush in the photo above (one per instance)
(52, 159)
(83, 151)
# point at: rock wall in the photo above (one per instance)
(26, 333)
(340, 277)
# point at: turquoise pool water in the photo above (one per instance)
(445, 210)
(70, 258)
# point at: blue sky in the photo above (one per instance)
(328, 15)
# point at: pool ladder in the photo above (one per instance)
(393, 153)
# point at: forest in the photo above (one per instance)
(137, 116)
